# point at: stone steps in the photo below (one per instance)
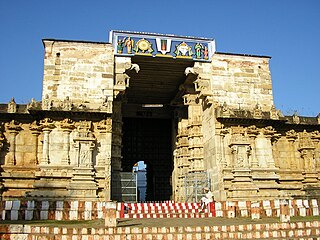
(168, 209)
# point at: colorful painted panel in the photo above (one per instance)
(157, 45)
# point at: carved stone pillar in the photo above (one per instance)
(269, 133)
(47, 126)
(35, 129)
(316, 143)
(82, 183)
(291, 137)
(253, 132)
(67, 126)
(195, 136)
(224, 162)
(105, 130)
(242, 184)
(307, 151)
(104, 161)
(182, 158)
(13, 129)
(116, 155)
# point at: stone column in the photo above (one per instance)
(67, 126)
(291, 137)
(316, 144)
(35, 129)
(242, 183)
(253, 133)
(116, 150)
(269, 133)
(223, 134)
(104, 161)
(13, 129)
(307, 151)
(47, 126)
(181, 156)
(83, 184)
(195, 137)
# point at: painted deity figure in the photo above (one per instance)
(129, 44)
(206, 53)
(199, 48)
(120, 46)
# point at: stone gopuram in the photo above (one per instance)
(193, 115)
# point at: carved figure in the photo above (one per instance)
(308, 157)
(199, 49)
(32, 104)
(47, 103)
(66, 104)
(84, 159)
(12, 106)
(129, 43)
(120, 46)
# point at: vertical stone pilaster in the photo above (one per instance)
(253, 133)
(116, 155)
(105, 129)
(35, 129)
(13, 129)
(47, 126)
(291, 137)
(181, 158)
(195, 137)
(269, 133)
(224, 162)
(242, 183)
(316, 143)
(67, 126)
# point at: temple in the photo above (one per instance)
(194, 116)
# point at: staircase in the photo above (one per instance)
(168, 209)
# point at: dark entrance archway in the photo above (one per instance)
(149, 108)
(149, 140)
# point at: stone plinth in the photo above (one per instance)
(242, 186)
(82, 184)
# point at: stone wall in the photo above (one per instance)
(267, 156)
(80, 72)
(241, 81)
(56, 157)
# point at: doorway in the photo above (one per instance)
(149, 140)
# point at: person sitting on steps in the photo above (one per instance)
(207, 199)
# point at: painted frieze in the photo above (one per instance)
(157, 45)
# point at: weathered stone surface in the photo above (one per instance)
(224, 125)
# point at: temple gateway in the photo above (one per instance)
(193, 116)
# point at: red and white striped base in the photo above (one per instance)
(168, 209)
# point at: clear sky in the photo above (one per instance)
(286, 30)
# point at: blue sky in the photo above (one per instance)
(286, 30)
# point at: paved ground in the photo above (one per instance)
(184, 222)
(159, 222)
